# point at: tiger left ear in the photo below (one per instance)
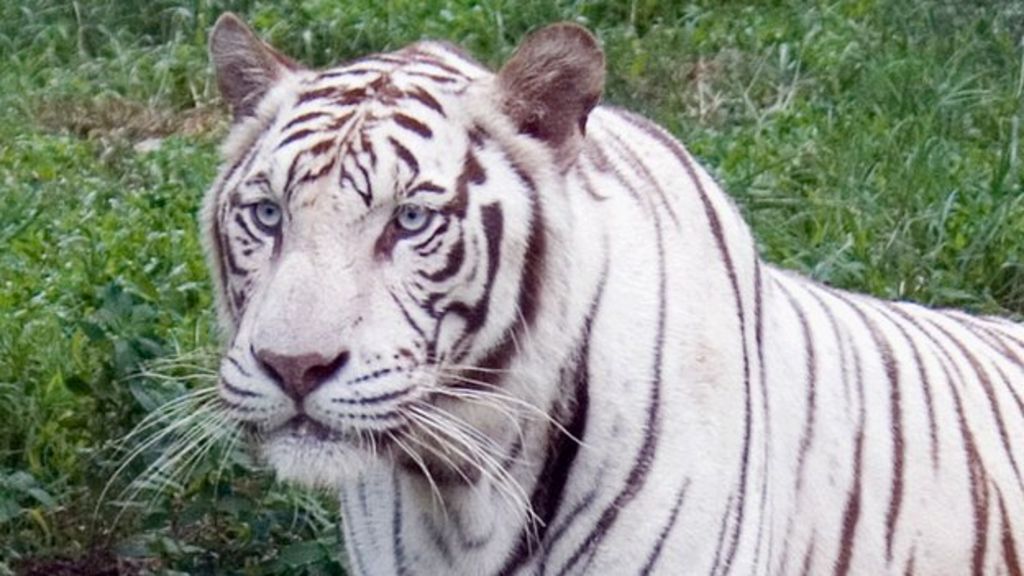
(550, 85)
(246, 67)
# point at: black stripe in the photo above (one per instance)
(441, 229)
(676, 149)
(245, 228)
(1010, 557)
(356, 96)
(339, 122)
(549, 489)
(412, 124)
(765, 410)
(387, 58)
(322, 147)
(584, 504)
(851, 511)
(297, 135)
(238, 366)
(238, 391)
(723, 524)
(652, 558)
(349, 70)
(396, 528)
(535, 256)
(432, 77)
(405, 155)
(808, 556)
(302, 119)
(909, 570)
(425, 188)
(475, 315)
(807, 436)
(317, 94)
(427, 59)
(376, 398)
(986, 384)
(438, 540)
(419, 94)
(1000, 325)
(352, 543)
(925, 383)
(408, 318)
(588, 183)
(994, 339)
(229, 256)
(220, 243)
(1010, 387)
(637, 476)
(364, 190)
(975, 468)
(891, 366)
(472, 173)
(837, 335)
(456, 257)
(611, 169)
(641, 169)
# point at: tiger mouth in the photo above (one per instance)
(399, 445)
(303, 427)
(308, 430)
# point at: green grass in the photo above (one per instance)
(872, 144)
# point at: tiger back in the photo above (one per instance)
(521, 333)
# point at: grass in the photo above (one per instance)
(873, 144)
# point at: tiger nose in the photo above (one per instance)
(300, 374)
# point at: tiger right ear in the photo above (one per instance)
(246, 67)
(550, 85)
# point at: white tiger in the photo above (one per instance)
(519, 333)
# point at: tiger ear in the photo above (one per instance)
(246, 67)
(550, 85)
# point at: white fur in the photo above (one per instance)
(326, 278)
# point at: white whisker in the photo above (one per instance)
(435, 491)
(463, 445)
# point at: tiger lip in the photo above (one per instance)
(302, 426)
(299, 426)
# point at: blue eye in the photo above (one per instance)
(412, 218)
(267, 214)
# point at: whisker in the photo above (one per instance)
(204, 428)
(472, 368)
(495, 393)
(484, 441)
(161, 435)
(181, 462)
(492, 404)
(170, 410)
(477, 455)
(435, 491)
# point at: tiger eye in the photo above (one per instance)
(412, 218)
(267, 214)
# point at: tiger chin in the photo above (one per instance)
(519, 332)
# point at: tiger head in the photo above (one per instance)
(379, 234)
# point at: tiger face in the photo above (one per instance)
(377, 237)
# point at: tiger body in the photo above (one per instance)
(578, 365)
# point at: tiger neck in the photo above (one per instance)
(396, 522)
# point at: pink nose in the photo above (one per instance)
(300, 374)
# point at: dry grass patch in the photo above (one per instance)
(119, 120)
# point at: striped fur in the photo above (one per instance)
(579, 365)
